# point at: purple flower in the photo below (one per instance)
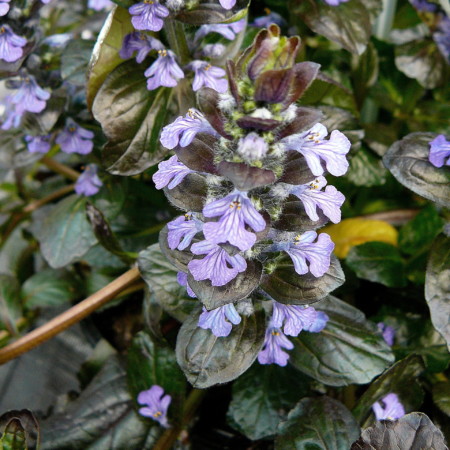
(442, 37)
(392, 409)
(156, 404)
(252, 147)
(182, 281)
(295, 318)
(329, 201)
(75, 139)
(387, 332)
(272, 351)
(312, 146)
(304, 249)
(182, 230)
(319, 324)
(209, 76)
(213, 50)
(227, 30)
(88, 182)
(227, 4)
(4, 7)
(236, 211)
(183, 130)
(164, 71)
(38, 144)
(216, 320)
(170, 173)
(271, 17)
(98, 5)
(10, 44)
(439, 151)
(141, 43)
(335, 2)
(30, 96)
(13, 116)
(424, 5)
(148, 15)
(217, 266)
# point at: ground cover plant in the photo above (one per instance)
(224, 224)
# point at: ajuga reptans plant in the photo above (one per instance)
(248, 173)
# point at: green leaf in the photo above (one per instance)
(74, 61)
(65, 234)
(207, 360)
(261, 395)
(400, 379)
(422, 61)
(285, 285)
(319, 423)
(161, 278)
(441, 396)
(414, 431)
(418, 234)
(131, 117)
(10, 305)
(47, 288)
(19, 430)
(348, 350)
(101, 417)
(408, 162)
(206, 13)
(366, 169)
(150, 364)
(364, 72)
(378, 262)
(348, 25)
(437, 289)
(105, 55)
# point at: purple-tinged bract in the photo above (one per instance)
(219, 320)
(88, 182)
(217, 266)
(170, 173)
(164, 71)
(236, 211)
(38, 144)
(389, 408)
(156, 404)
(141, 43)
(315, 148)
(148, 15)
(274, 343)
(182, 230)
(10, 44)
(207, 75)
(75, 139)
(183, 130)
(439, 151)
(312, 197)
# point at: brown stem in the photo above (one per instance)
(69, 317)
(43, 201)
(395, 217)
(60, 168)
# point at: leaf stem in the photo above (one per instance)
(60, 168)
(177, 40)
(69, 317)
(168, 438)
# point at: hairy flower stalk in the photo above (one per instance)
(248, 171)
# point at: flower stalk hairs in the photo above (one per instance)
(248, 172)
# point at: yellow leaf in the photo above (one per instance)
(351, 232)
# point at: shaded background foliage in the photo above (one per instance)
(384, 84)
